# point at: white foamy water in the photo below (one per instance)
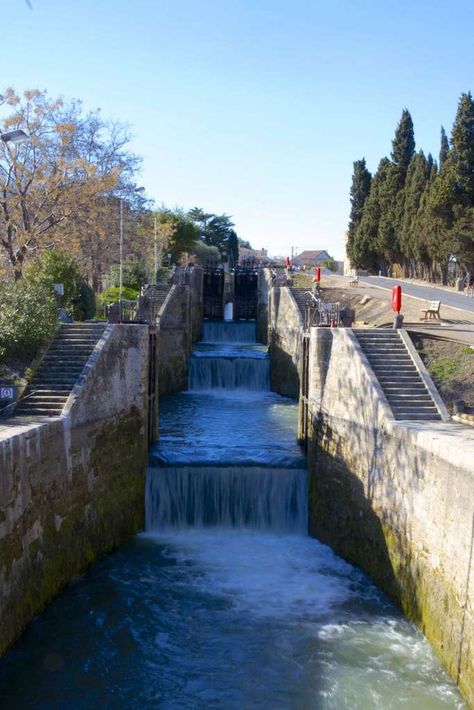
(336, 642)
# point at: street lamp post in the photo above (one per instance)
(156, 253)
(17, 136)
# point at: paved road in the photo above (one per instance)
(427, 293)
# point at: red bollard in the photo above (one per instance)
(397, 298)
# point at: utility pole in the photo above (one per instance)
(156, 253)
(121, 260)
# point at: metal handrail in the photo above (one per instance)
(17, 401)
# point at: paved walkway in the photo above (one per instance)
(425, 293)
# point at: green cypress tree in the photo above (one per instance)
(360, 188)
(365, 247)
(418, 176)
(444, 148)
(391, 212)
(462, 143)
(403, 146)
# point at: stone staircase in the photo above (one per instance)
(60, 369)
(302, 298)
(152, 300)
(397, 374)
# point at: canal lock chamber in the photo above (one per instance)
(225, 601)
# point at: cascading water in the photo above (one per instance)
(224, 602)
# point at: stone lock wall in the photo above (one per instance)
(72, 487)
(174, 342)
(285, 342)
(395, 498)
(263, 294)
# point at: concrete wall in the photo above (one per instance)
(395, 498)
(285, 342)
(72, 487)
(174, 341)
(194, 279)
(264, 286)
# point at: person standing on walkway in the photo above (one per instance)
(469, 284)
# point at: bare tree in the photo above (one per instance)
(57, 187)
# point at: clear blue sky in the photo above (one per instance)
(257, 108)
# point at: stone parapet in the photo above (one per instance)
(72, 487)
(395, 498)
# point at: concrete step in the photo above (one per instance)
(70, 347)
(44, 411)
(390, 374)
(409, 397)
(53, 366)
(412, 390)
(76, 339)
(59, 382)
(46, 392)
(45, 402)
(412, 417)
(54, 358)
(402, 369)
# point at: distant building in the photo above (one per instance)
(252, 256)
(310, 259)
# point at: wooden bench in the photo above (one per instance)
(432, 311)
(354, 282)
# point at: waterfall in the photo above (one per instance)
(207, 371)
(236, 466)
(235, 496)
(229, 332)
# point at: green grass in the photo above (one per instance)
(444, 368)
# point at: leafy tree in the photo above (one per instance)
(55, 267)
(203, 253)
(233, 248)
(331, 264)
(360, 188)
(133, 274)
(215, 230)
(184, 232)
(54, 185)
(28, 317)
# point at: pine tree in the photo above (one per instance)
(444, 148)
(360, 189)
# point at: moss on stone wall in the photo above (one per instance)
(342, 515)
(79, 514)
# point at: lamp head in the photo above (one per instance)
(17, 136)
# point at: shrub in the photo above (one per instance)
(57, 267)
(112, 296)
(85, 307)
(133, 275)
(28, 317)
(163, 275)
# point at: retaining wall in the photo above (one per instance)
(263, 294)
(174, 341)
(395, 498)
(72, 487)
(285, 342)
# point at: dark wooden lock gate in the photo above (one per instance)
(213, 293)
(245, 294)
